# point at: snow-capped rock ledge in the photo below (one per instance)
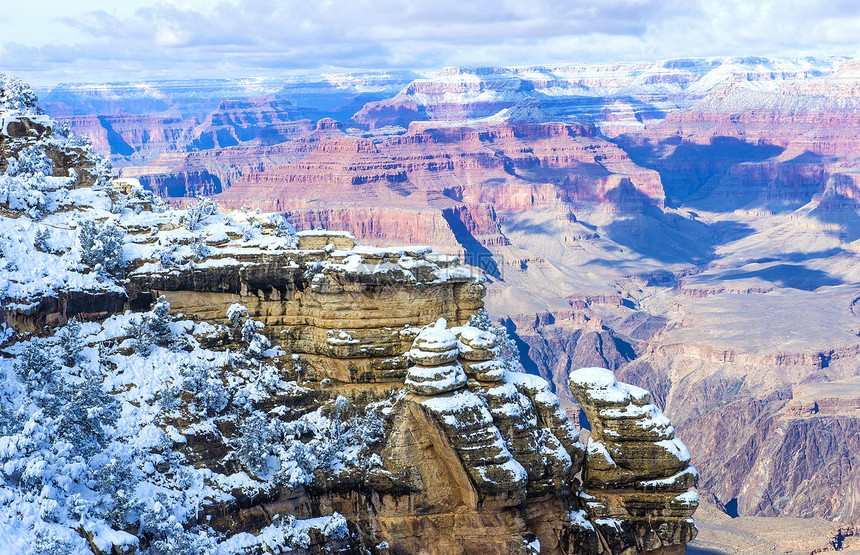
(636, 472)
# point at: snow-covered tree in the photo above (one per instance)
(70, 342)
(46, 542)
(206, 387)
(141, 335)
(166, 533)
(101, 246)
(480, 320)
(199, 248)
(159, 320)
(23, 185)
(196, 213)
(151, 328)
(254, 445)
(249, 330)
(251, 230)
(38, 369)
(115, 480)
(87, 410)
(284, 229)
(40, 240)
(16, 97)
(31, 160)
(508, 350)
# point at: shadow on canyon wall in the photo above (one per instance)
(667, 237)
(793, 276)
(477, 255)
(686, 168)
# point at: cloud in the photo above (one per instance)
(202, 38)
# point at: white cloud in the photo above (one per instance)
(97, 40)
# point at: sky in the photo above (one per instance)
(51, 41)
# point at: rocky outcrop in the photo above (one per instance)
(345, 308)
(435, 368)
(309, 377)
(268, 121)
(476, 458)
(636, 472)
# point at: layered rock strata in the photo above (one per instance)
(476, 458)
(637, 473)
(347, 309)
(434, 356)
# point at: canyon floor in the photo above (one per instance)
(720, 534)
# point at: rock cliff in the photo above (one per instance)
(476, 458)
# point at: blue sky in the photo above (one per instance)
(51, 41)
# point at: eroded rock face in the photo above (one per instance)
(351, 312)
(637, 473)
(434, 357)
(476, 459)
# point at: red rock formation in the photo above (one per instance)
(511, 167)
(384, 113)
(133, 136)
(236, 121)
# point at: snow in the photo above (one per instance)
(646, 417)
(580, 519)
(611, 522)
(690, 498)
(471, 338)
(104, 537)
(594, 378)
(601, 386)
(669, 481)
(676, 448)
(419, 356)
(286, 534)
(436, 378)
(340, 337)
(436, 338)
(458, 402)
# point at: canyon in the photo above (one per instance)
(286, 391)
(691, 225)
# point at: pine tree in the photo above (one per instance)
(284, 229)
(254, 444)
(508, 350)
(115, 480)
(88, 408)
(159, 321)
(40, 241)
(101, 245)
(71, 343)
(480, 320)
(196, 213)
(151, 328)
(141, 335)
(207, 388)
(37, 368)
(31, 161)
(255, 343)
(16, 97)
